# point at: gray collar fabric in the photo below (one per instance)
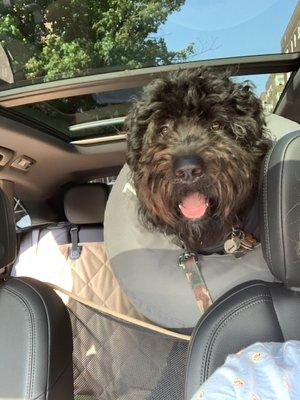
(146, 264)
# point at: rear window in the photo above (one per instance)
(22, 217)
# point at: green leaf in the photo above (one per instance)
(66, 38)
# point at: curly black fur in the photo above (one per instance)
(204, 113)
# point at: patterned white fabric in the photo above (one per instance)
(263, 371)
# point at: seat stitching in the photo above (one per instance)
(88, 281)
(244, 305)
(265, 195)
(31, 324)
(229, 319)
(265, 189)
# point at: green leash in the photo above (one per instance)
(188, 261)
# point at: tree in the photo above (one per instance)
(66, 37)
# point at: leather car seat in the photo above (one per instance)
(257, 311)
(35, 332)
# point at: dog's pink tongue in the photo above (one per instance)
(193, 206)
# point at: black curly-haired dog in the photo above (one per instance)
(196, 141)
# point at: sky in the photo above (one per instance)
(228, 28)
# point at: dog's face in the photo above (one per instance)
(195, 144)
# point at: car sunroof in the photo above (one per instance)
(46, 41)
(48, 47)
(86, 116)
(101, 115)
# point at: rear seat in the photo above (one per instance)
(84, 209)
(72, 254)
(84, 206)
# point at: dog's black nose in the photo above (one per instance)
(187, 168)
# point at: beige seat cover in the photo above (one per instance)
(90, 276)
(93, 279)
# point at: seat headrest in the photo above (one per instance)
(8, 239)
(280, 209)
(85, 204)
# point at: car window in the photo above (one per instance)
(22, 217)
(46, 42)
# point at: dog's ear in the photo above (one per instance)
(135, 127)
(153, 106)
(249, 126)
(140, 116)
(246, 103)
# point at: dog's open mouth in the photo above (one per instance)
(194, 205)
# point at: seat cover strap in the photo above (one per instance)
(75, 249)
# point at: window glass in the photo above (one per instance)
(22, 217)
(102, 114)
(44, 41)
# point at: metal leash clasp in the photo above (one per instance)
(186, 256)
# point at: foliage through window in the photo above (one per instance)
(43, 41)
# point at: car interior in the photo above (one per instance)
(69, 328)
(36, 335)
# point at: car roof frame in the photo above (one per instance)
(247, 65)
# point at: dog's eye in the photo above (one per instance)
(215, 126)
(164, 130)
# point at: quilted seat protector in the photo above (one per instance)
(112, 359)
(93, 279)
(90, 276)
